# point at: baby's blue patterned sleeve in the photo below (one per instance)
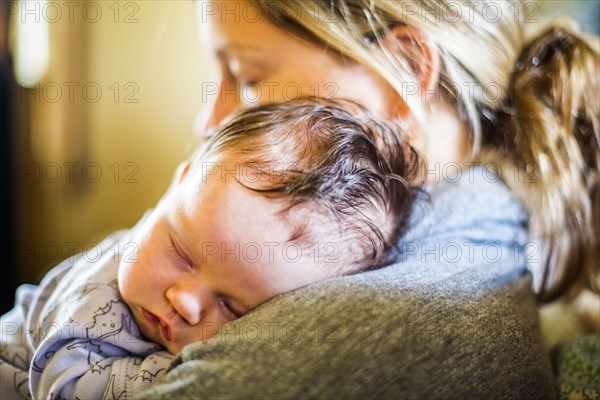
(91, 348)
(14, 351)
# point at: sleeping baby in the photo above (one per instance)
(281, 196)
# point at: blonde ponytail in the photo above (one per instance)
(550, 121)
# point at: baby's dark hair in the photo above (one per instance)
(331, 157)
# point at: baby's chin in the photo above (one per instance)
(176, 347)
(171, 347)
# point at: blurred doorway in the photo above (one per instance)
(8, 116)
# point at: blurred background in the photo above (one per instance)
(92, 133)
(97, 106)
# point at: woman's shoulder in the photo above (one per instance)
(475, 188)
(474, 203)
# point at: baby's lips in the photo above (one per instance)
(166, 331)
(153, 319)
(156, 320)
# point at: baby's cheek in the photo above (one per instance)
(121, 278)
(126, 279)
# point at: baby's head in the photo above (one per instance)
(283, 195)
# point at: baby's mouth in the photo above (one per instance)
(155, 320)
(166, 331)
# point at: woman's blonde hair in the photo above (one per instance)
(532, 106)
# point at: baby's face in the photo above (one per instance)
(210, 252)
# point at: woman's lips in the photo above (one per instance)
(155, 320)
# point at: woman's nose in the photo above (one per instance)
(188, 302)
(218, 106)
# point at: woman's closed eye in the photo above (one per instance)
(250, 84)
(245, 73)
(246, 81)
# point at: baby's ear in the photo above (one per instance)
(179, 176)
(181, 171)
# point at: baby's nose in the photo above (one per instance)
(186, 304)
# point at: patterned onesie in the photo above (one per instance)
(74, 337)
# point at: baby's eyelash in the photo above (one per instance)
(230, 309)
(171, 245)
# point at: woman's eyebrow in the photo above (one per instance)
(234, 48)
(242, 50)
(250, 55)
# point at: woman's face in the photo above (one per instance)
(255, 62)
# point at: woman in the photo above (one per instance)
(462, 79)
